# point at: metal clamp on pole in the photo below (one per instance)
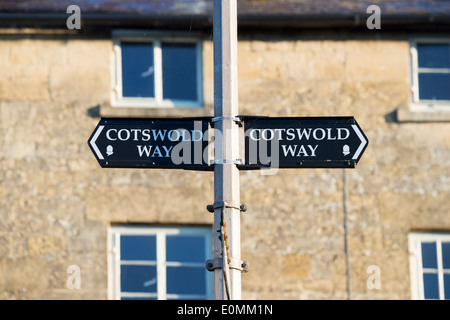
(235, 119)
(240, 265)
(226, 204)
(224, 161)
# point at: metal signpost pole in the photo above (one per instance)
(227, 279)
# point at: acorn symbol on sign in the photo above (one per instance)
(109, 150)
(346, 150)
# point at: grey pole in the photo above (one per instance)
(227, 280)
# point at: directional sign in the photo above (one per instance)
(319, 142)
(151, 143)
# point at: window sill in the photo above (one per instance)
(412, 114)
(107, 110)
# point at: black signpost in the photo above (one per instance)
(303, 142)
(270, 142)
(151, 143)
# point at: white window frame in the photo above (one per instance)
(425, 105)
(117, 99)
(114, 263)
(415, 258)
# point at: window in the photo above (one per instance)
(430, 81)
(155, 71)
(430, 265)
(431, 72)
(160, 263)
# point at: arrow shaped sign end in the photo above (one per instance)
(363, 144)
(92, 141)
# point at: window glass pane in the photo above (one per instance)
(434, 55)
(138, 278)
(179, 65)
(446, 255)
(434, 86)
(186, 280)
(137, 70)
(185, 248)
(429, 259)
(430, 286)
(446, 286)
(137, 247)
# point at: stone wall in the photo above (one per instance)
(56, 203)
(47, 84)
(296, 217)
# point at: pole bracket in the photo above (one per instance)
(226, 204)
(225, 161)
(236, 264)
(235, 119)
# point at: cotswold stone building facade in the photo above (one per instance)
(72, 230)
